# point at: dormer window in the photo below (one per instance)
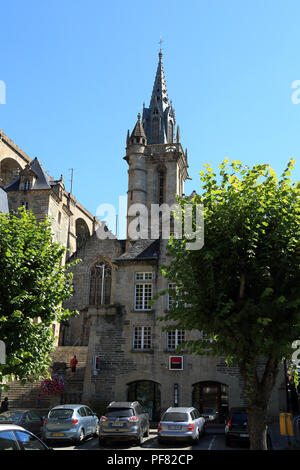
(26, 185)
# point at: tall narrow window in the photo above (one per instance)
(170, 132)
(161, 186)
(171, 301)
(100, 284)
(26, 185)
(143, 291)
(155, 130)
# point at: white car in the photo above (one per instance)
(13, 437)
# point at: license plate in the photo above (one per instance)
(244, 435)
(58, 434)
(174, 427)
(117, 424)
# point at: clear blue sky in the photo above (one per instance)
(77, 73)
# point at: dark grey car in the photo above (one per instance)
(124, 421)
(30, 419)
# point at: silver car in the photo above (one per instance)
(70, 422)
(124, 421)
(184, 424)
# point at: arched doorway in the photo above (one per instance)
(212, 398)
(148, 394)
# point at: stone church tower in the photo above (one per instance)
(130, 355)
(157, 163)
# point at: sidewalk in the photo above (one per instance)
(280, 442)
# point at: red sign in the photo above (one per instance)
(176, 362)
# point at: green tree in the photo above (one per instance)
(242, 288)
(33, 285)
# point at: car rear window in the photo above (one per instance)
(61, 413)
(176, 417)
(239, 418)
(119, 413)
(10, 416)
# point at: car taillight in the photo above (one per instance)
(190, 427)
(133, 419)
(45, 421)
(159, 427)
(229, 422)
(74, 421)
(103, 418)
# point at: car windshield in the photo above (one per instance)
(239, 418)
(175, 417)
(119, 413)
(11, 416)
(61, 413)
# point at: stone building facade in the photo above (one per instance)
(28, 184)
(24, 182)
(130, 356)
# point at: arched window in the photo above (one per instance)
(170, 132)
(155, 130)
(100, 284)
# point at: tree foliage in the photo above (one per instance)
(242, 288)
(33, 285)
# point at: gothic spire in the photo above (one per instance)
(159, 98)
(159, 118)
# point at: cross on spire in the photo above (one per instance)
(160, 44)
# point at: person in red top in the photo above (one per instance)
(73, 364)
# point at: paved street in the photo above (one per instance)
(212, 440)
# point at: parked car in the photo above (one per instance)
(124, 421)
(30, 419)
(236, 428)
(70, 422)
(181, 424)
(13, 437)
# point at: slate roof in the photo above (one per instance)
(43, 180)
(138, 130)
(141, 250)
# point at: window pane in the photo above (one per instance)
(61, 413)
(119, 413)
(88, 411)
(82, 412)
(176, 417)
(28, 441)
(11, 416)
(142, 337)
(7, 441)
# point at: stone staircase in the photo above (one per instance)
(25, 396)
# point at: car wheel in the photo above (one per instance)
(195, 440)
(102, 442)
(81, 437)
(140, 439)
(97, 430)
(160, 441)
